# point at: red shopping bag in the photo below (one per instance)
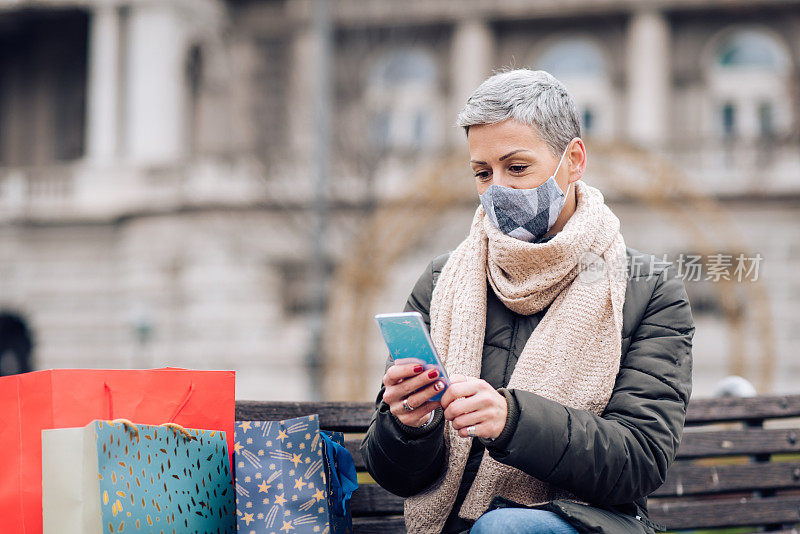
(33, 402)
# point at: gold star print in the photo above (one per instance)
(280, 500)
(263, 487)
(282, 435)
(248, 518)
(296, 459)
(245, 426)
(298, 483)
(237, 447)
(287, 526)
(319, 495)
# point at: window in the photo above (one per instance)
(751, 49)
(749, 83)
(587, 120)
(728, 115)
(573, 57)
(402, 90)
(297, 286)
(765, 120)
(43, 76)
(580, 64)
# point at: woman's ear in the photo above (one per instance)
(576, 155)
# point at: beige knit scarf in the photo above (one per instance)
(572, 357)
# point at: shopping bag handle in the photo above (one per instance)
(178, 429)
(107, 389)
(178, 410)
(127, 424)
(183, 404)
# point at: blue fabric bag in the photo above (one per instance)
(292, 477)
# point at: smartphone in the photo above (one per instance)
(409, 342)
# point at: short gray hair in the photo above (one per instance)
(532, 97)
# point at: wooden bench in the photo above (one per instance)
(738, 464)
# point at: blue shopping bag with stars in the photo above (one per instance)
(292, 477)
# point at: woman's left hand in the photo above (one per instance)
(473, 402)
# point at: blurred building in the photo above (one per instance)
(156, 166)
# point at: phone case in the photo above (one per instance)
(408, 341)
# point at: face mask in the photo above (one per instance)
(525, 214)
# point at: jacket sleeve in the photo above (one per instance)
(402, 459)
(622, 455)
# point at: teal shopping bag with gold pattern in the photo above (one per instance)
(116, 477)
(292, 477)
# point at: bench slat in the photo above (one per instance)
(379, 525)
(747, 441)
(697, 444)
(339, 416)
(701, 411)
(355, 416)
(726, 513)
(684, 479)
(371, 499)
(353, 445)
(705, 411)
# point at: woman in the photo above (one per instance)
(569, 353)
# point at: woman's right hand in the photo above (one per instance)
(410, 382)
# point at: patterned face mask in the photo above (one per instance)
(525, 214)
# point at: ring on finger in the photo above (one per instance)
(406, 406)
(471, 431)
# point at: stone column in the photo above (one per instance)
(103, 91)
(157, 94)
(648, 77)
(472, 54)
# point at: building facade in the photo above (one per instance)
(157, 170)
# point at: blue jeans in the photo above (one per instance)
(521, 521)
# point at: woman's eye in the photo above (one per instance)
(517, 168)
(482, 175)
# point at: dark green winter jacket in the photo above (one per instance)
(612, 461)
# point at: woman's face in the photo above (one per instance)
(512, 154)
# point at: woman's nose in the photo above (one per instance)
(501, 178)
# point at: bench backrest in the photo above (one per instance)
(734, 466)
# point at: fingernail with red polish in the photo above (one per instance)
(438, 386)
(418, 368)
(433, 374)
